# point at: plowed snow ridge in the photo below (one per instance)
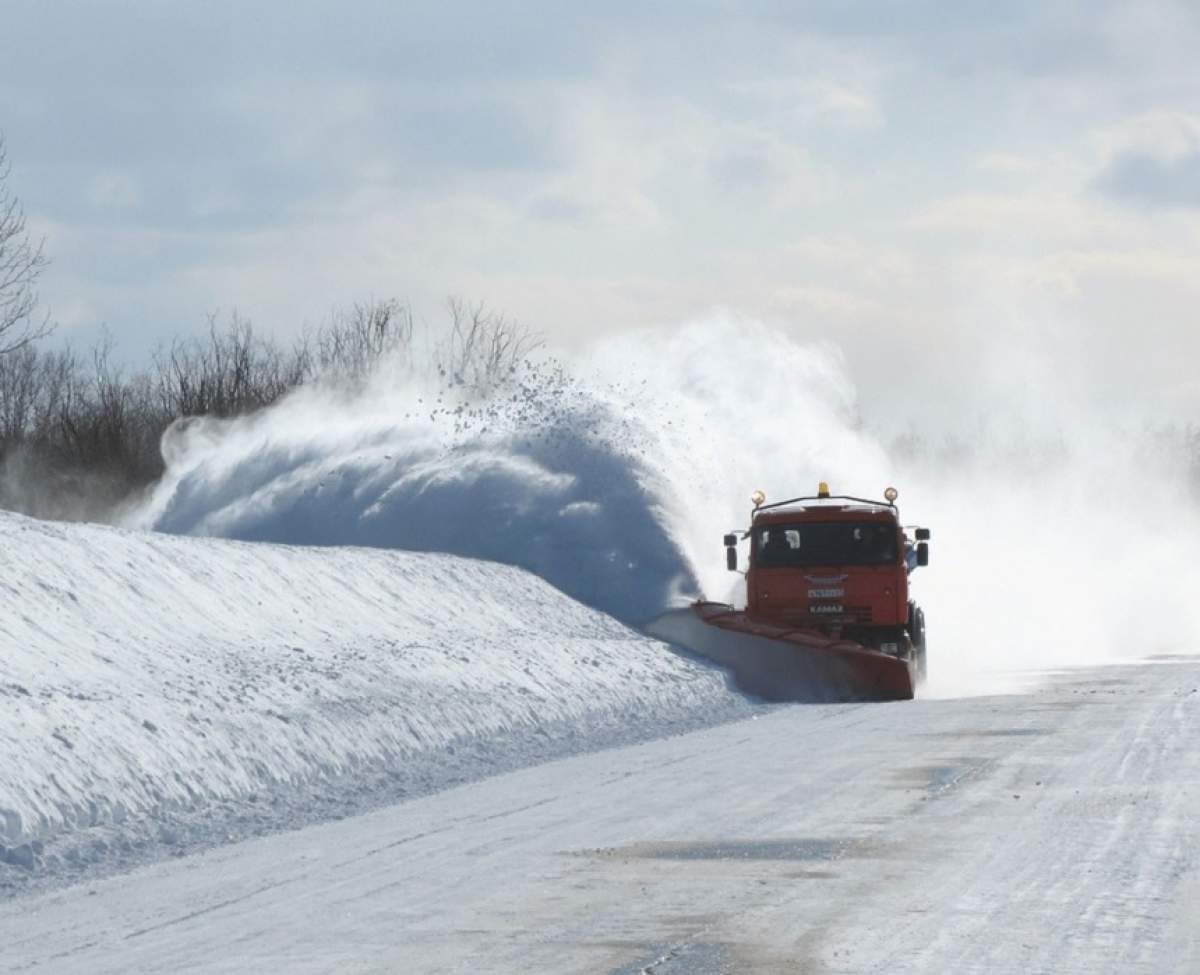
(145, 672)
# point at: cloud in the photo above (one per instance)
(1007, 164)
(864, 171)
(820, 100)
(1153, 159)
(764, 172)
(804, 299)
(114, 189)
(1039, 216)
(1139, 177)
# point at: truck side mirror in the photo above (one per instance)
(923, 553)
(730, 541)
(731, 558)
(922, 534)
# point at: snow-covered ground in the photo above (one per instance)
(159, 692)
(1045, 832)
(163, 695)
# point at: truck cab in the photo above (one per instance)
(838, 566)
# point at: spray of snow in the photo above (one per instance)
(1059, 539)
(542, 474)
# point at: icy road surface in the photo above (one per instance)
(1047, 832)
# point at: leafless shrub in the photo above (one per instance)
(351, 344)
(99, 416)
(79, 434)
(483, 347)
(19, 392)
(70, 447)
(230, 371)
(32, 385)
(21, 264)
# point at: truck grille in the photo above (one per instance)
(848, 614)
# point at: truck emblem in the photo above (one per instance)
(826, 593)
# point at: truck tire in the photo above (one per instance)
(916, 633)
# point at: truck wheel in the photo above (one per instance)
(916, 632)
(916, 635)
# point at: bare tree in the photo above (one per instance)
(21, 264)
(18, 394)
(79, 434)
(32, 385)
(484, 347)
(354, 342)
(231, 372)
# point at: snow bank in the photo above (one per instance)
(144, 672)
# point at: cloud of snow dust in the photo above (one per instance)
(1062, 532)
(541, 473)
(1059, 538)
(1065, 523)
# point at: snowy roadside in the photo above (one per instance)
(160, 694)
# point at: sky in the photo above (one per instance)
(958, 197)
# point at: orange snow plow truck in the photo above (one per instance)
(828, 613)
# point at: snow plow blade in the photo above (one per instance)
(780, 663)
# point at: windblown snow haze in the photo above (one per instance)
(613, 476)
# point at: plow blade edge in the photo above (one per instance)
(779, 663)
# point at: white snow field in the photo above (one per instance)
(1052, 831)
(157, 692)
(429, 728)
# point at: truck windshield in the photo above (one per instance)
(825, 543)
